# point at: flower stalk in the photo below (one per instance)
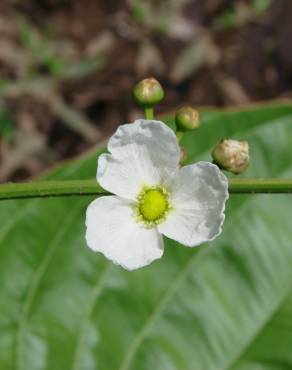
(149, 113)
(55, 188)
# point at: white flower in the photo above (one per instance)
(154, 196)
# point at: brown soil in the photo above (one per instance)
(68, 67)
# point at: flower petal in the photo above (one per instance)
(199, 193)
(113, 231)
(142, 153)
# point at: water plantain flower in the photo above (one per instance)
(154, 196)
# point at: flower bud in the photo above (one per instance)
(231, 155)
(148, 92)
(187, 119)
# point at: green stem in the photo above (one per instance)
(42, 189)
(260, 186)
(50, 188)
(149, 112)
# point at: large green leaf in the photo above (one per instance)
(227, 305)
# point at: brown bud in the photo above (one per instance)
(231, 155)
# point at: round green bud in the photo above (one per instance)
(187, 119)
(148, 92)
(231, 155)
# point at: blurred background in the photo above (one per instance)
(67, 67)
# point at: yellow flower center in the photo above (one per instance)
(153, 205)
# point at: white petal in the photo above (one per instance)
(113, 231)
(199, 193)
(142, 153)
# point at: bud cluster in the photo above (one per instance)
(230, 155)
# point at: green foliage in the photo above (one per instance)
(239, 14)
(227, 19)
(139, 11)
(227, 305)
(41, 49)
(46, 53)
(261, 6)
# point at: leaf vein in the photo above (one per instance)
(32, 289)
(96, 291)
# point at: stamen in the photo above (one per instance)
(152, 205)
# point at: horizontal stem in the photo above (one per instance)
(51, 188)
(260, 186)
